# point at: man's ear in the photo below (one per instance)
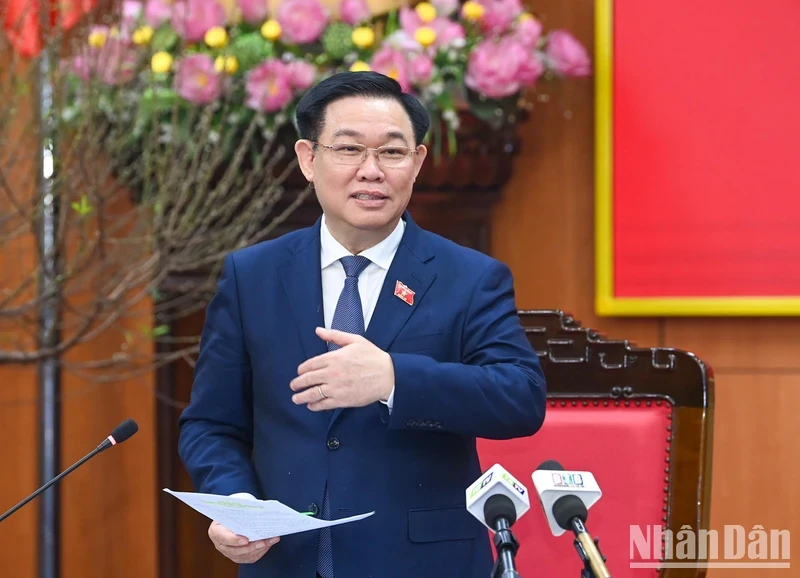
(304, 149)
(419, 158)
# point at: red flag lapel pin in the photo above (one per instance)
(404, 293)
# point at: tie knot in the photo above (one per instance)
(354, 265)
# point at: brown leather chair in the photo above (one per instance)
(639, 419)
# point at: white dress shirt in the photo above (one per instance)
(370, 281)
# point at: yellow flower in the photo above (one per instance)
(426, 11)
(227, 63)
(97, 38)
(525, 16)
(161, 62)
(143, 35)
(472, 10)
(271, 30)
(363, 37)
(216, 37)
(360, 66)
(425, 35)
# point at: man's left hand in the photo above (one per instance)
(356, 375)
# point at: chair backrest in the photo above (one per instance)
(639, 419)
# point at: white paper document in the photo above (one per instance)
(256, 519)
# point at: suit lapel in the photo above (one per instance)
(392, 312)
(411, 267)
(302, 280)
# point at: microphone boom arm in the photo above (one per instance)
(121, 433)
(74, 466)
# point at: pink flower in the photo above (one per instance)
(116, 61)
(196, 79)
(156, 12)
(131, 12)
(191, 19)
(530, 69)
(420, 69)
(254, 11)
(500, 69)
(499, 14)
(566, 55)
(528, 31)
(392, 63)
(81, 66)
(269, 86)
(354, 12)
(446, 30)
(302, 21)
(446, 7)
(400, 40)
(301, 74)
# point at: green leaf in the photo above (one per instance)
(160, 330)
(157, 99)
(165, 38)
(392, 22)
(154, 331)
(251, 50)
(83, 207)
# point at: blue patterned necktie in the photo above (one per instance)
(348, 317)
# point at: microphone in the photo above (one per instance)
(498, 500)
(120, 434)
(566, 497)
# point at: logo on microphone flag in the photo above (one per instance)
(402, 291)
(568, 480)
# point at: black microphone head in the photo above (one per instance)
(124, 430)
(499, 506)
(550, 465)
(567, 508)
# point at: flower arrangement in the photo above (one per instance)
(159, 54)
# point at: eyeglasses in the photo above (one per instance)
(354, 154)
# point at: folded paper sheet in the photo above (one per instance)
(256, 519)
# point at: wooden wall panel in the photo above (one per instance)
(18, 419)
(743, 344)
(108, 505)
(755, 460)
(18, 399)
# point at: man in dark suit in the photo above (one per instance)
(350, 366)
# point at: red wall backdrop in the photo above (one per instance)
(705, 150)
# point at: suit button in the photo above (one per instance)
(333, 444)
(314, 509)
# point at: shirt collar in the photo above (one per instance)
(381, 254)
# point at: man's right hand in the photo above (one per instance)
(238, 548)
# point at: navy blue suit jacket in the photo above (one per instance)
(463, 369)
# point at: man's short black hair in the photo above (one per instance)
(310, 114)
